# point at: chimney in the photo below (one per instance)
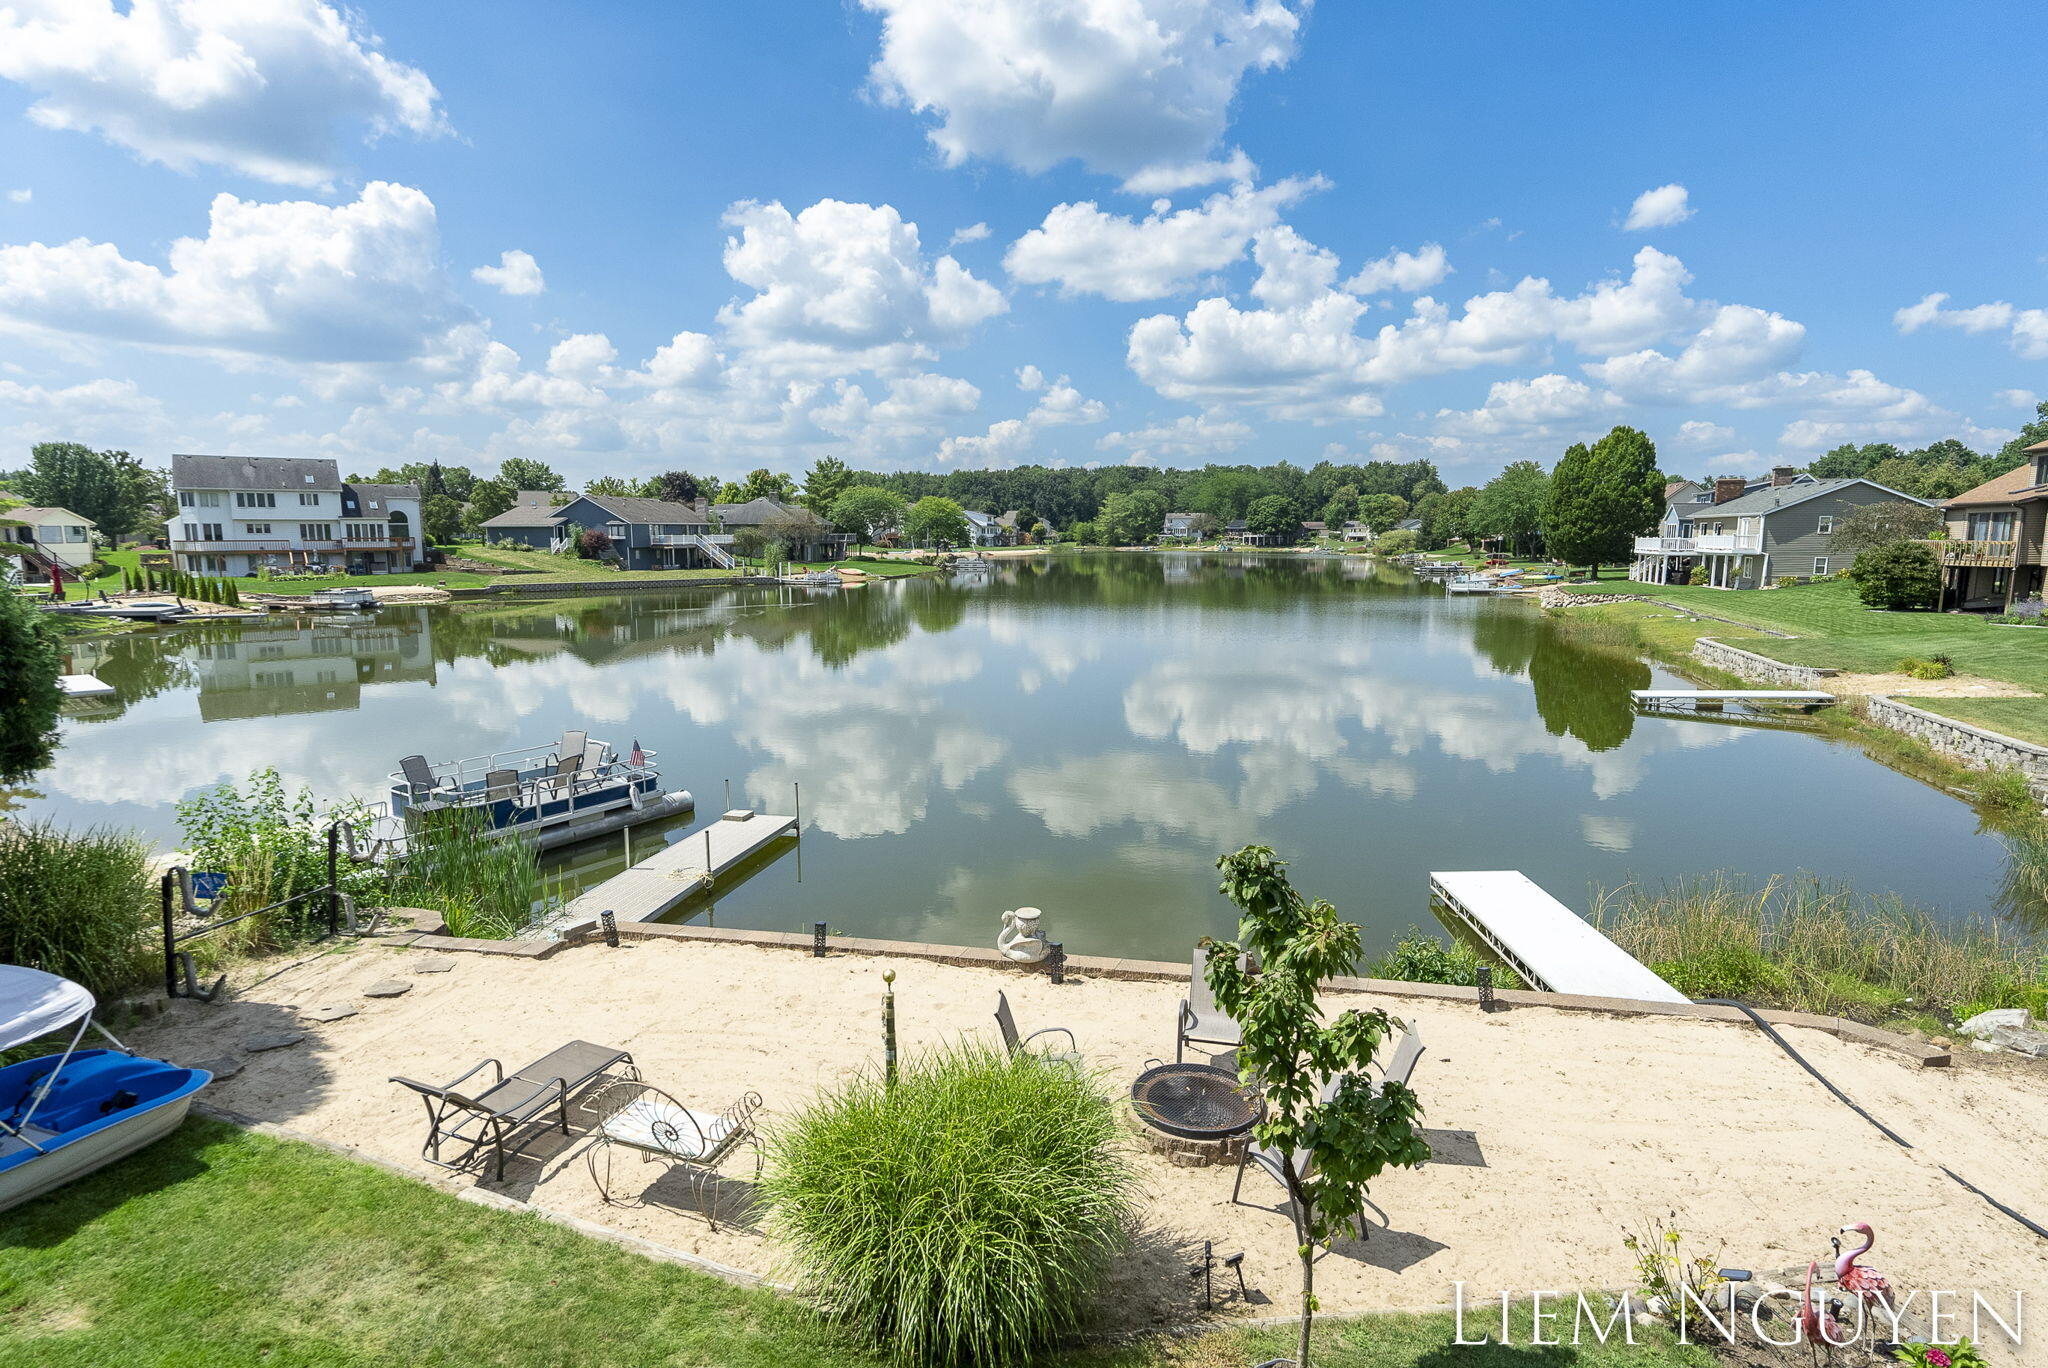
(1728, 487)
(1783, 475)
(702, 505)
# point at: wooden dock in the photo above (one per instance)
(1544, 941)
(1716, 700)
(676, 872)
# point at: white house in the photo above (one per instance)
(238, 514)
(42, 536)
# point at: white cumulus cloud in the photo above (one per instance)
(257, 86)
(1664, 207)
(1406, 272)
(516, 273)
(1085, 250)
(357, 282)
(1138, 89)
(1188, 436)
(2026, 329)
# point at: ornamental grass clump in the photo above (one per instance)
(966, 1214)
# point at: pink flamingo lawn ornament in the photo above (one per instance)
(1869, 1285)
(1816, 1325)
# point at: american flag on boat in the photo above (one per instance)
(638, 757)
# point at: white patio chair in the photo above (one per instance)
(636, 1116)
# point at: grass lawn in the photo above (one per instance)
(1835, 629)
(219, 1248)
(544, 566)
(2025, 718)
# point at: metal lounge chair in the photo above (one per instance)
(474, 1120)
(635, 1116)
(500, 784)
(1018, 1044)
(563, 781)
(1202, 1022)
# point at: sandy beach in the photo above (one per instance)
(1554, 1130)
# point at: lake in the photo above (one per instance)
(1084, 733)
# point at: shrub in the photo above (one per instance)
(29, 661)
(1697, 576)
(593, 544)
(1935, 667)
(1418, 957)
(78, 904)
(272, 845)
(964, 1215)
(1902, 575)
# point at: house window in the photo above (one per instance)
(74, 533)
(191, 532)
(1820, 565)
(2041, 470)
(258, 529)
(1827, 525)
(616, 531)
(365, 531)
(207, 500)
(244, 499)
(309, 500)
(1991, 526)
(185, 499)
(316, 531)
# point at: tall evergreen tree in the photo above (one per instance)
(1602, 497)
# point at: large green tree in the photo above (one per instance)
(522, 472)
(1381, 511)
(932, 520)
(678, 486)
(109, 487)
(1272, 516)
(487, 499)
(29, 696)
(1509, 507)
(864, 511)
(441, 518)
(2015, 452)
(1602, 497)
(761, 483)
(829, 477)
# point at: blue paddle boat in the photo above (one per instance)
(64, 1115)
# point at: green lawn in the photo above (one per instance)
(544, 566)
(2025, 718)
(1835, 629)
(223, 1249)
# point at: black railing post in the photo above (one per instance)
(333, 879)
(170, 944)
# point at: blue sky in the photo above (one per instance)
(934, 234)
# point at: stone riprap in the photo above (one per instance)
(1749, 665)
(1973, 746)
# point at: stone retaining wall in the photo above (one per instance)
(1973, 746)
(1749, 665)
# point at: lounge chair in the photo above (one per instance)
(1202, 1022)
(1018, 1044)
(500, 784)
(563, 781)
(635, 1116)
(474, 1120)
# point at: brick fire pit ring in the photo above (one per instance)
(1194, 1114)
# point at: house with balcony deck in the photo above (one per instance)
(646, 534)
(1744, 534)
(238, 515)
(1997, 543)
(37, 539)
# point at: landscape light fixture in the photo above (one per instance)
(1056, 961)
(608, 921)
(1485, 987)
(818, 939)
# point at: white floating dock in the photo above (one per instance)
(1544, 941)
(84, 686)
(1698, 700)
(675, 872)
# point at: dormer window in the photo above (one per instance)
(2041, 470)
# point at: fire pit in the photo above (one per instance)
(1194, 1114)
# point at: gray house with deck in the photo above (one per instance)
(1744, 534)
(646, 534)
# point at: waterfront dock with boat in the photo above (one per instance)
(672, 875)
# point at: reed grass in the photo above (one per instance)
(485, 886)
(964, 1215)
(1809, 945)
(76, 903)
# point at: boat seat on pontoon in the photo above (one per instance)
(500, 784)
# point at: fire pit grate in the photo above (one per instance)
(1194, 1101)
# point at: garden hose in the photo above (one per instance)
(1886, 1131)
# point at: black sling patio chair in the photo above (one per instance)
(529, 1097)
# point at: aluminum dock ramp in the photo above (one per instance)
(1715, 700)
(676, 872)
(1548, 944)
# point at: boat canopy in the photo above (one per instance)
(33, 1003)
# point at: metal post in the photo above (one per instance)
(627, 832)
(170, 951)
(333, 878)
(728, 795)
(889, 1027)
(1485, 987)
(707, 855)
(608, 922)
(1056, 961)
(818, 939)
(798, 816)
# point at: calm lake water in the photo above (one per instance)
(1083, 734)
